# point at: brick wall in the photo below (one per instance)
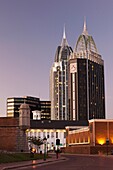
(8, 136)
(97, 134)
(12, 138)
(87, 149)
(111, 132)
(81, 149)
(100, 132)
(6, 121)
(79, 137)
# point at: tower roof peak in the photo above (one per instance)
(85, 32)
(64, 33)
(64, 40)
(85, 41)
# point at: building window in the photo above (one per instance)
(47, 134)
(31, 134)
(64, 134)
(35, 134)
(52, 134)
(56, 134)
(44, 134)
(39, 134)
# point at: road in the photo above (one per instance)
(77, 162)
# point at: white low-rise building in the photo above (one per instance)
(51, 130)
(51, 135)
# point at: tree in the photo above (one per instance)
(35, 140)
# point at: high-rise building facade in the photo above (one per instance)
(35, 104)
(45, 110)
(13, 105)
(86, 95)
(59, 82)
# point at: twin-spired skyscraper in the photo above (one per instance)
(59, 82)
(77, 89)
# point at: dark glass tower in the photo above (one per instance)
(45, 110)
(13, 105)
(35, 104)
(86, 80)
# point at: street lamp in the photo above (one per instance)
(47, 147)
(44, 142)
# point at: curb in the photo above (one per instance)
(32, 164)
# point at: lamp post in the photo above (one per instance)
(44, 141)
(107, 143)
(47, 147)
(57, 144)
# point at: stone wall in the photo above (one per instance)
(21, 140)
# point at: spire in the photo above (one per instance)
(64, 40)
(64, 33)
(85, 27)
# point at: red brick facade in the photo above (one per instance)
(91, 139)
(12, 138)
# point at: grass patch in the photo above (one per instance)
(16, 157)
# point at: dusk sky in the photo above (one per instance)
(31, 30)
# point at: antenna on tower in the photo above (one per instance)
(85, 27)
(64, 40)
(64, 33)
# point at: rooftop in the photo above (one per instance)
(55, 124)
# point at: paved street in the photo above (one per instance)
(75, 162)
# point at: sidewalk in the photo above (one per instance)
(15, 165)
